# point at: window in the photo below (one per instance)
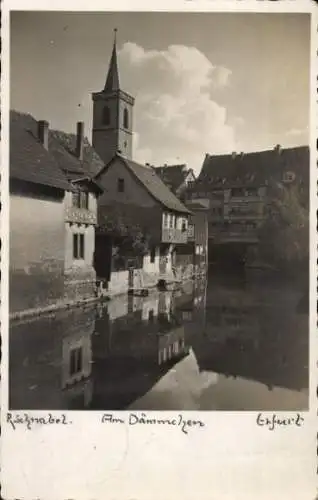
(120, 185)
(80, 199)
(76, 199)
(106, 115)
(171, 221)
(76, 361)
(184, 226)
(152, 254)
(126, 120)
(78, 246)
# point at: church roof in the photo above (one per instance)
(58, 166)
(153, 184)
(112, 80)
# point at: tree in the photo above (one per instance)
(284, 236)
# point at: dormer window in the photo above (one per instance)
(106, 115)
(80, 199)
(126, 118)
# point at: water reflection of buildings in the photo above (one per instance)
(76, 367)
(102, 357)
(245, 336)
(50, 361)
(131, 352)
(111, 355)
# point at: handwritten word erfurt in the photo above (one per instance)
(274, 421)
(142, 419)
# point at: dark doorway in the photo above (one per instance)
(103, 256)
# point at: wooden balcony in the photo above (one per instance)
(172, 235)
(80, 216)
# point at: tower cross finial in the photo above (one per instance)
(115, 35)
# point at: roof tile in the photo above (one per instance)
(156, 187)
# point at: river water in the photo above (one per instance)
(233, 342)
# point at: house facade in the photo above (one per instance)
(236, 189)
(53, 214)
(135, 197)
(198, 236)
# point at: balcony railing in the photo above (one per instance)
(172, 235)
(80, 215)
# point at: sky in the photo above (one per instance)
(203, 82)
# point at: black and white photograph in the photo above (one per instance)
(159, 178)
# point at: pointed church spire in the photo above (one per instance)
(112, 81)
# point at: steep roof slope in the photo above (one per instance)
(29, 160)
(257, 167)
(56, 166)
(62, 146)
(152, 183)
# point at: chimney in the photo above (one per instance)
(278, 148)
(43, 133)
(80, 140)
(233, 155)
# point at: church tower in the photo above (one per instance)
(112, 116)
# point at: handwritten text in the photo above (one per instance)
(184, 424)
(272, 422)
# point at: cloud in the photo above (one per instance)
(221, 76)
(176, 119)
(296, 132)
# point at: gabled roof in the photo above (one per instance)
(146, 176)
(173, 175)
(255, 168)
(29, 160)
(195, 205)
(56, 167)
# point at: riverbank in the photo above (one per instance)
(65, 305)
